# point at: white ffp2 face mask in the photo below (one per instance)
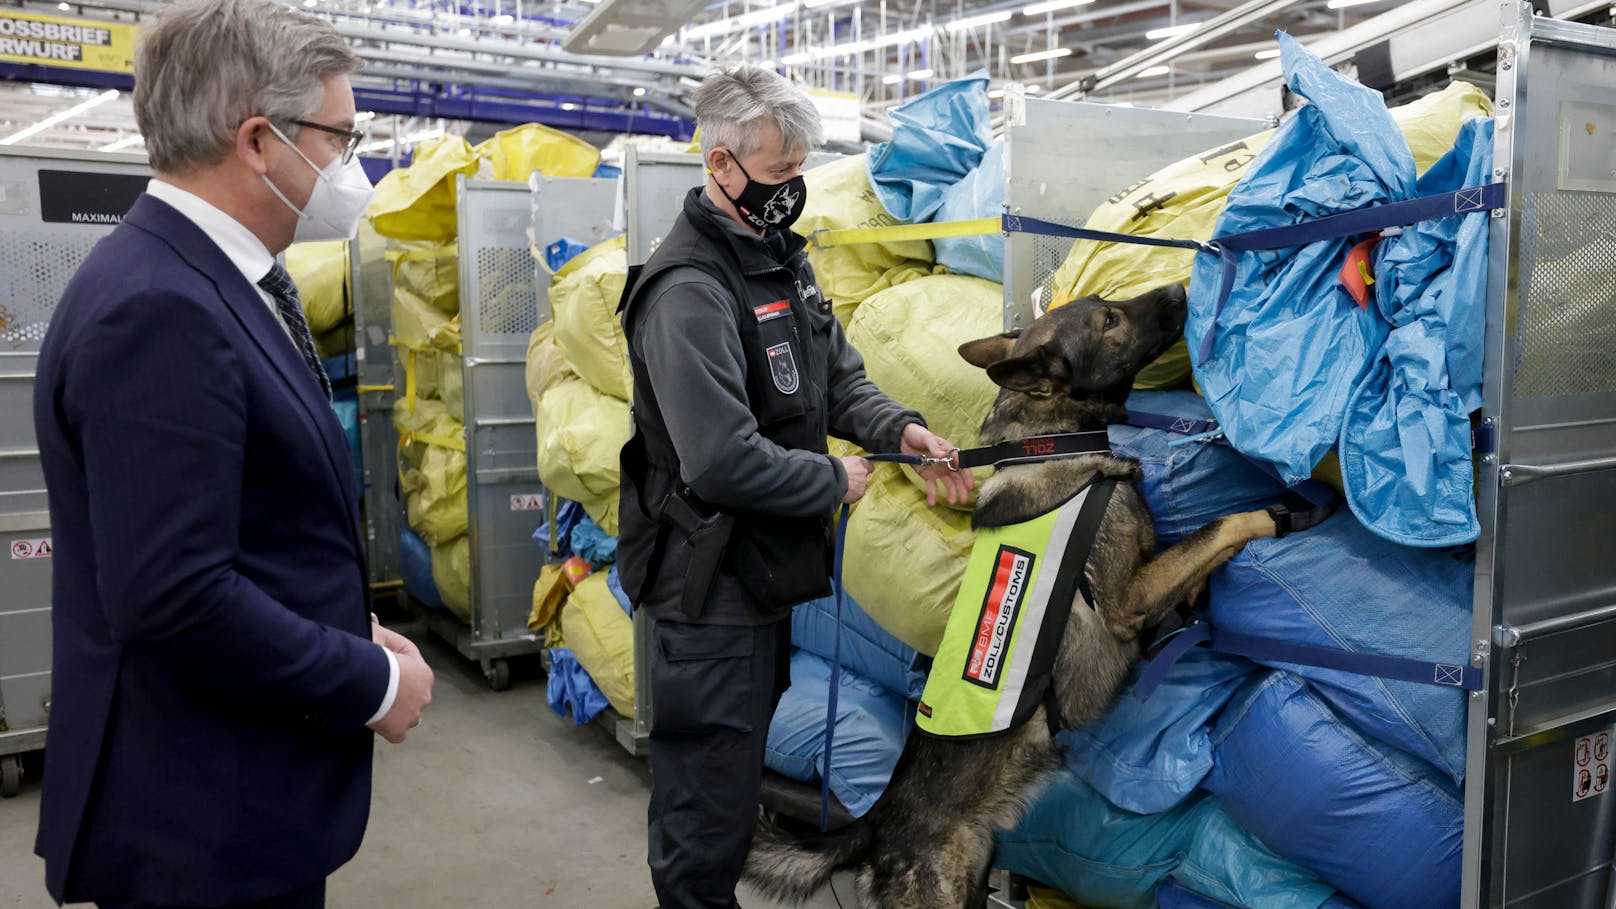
(340, 196)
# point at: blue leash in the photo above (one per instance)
(836, 647)
(835, 671)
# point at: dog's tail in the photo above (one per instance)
(791, 868)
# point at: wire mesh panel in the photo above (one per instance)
(1568, 322)
(507, 299)
(34, 270)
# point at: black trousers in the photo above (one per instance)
(713, 691)
(310, 897)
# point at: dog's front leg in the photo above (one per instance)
(1181, 572)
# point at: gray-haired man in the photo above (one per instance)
(214, 667)
(740, 373)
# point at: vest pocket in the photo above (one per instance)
(779, 358)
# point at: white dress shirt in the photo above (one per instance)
(250, 256)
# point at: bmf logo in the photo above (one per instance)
(1012, 574)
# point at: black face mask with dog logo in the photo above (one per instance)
(768, 206)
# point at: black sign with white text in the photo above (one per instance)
(77, 197)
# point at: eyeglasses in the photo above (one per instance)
(351, 137)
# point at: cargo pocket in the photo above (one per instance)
(702, 679)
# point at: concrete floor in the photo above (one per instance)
(493, 802)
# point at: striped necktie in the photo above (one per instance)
(278, 284)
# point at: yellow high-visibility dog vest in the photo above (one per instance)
(993, 667)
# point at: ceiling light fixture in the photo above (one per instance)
(1036, 56)
(960, 25)
(743, 21)
(1271, 54)
(639, 93)
(892, 79)
(1050, 6)
(859, 47)
(1171, 31)
(1343, 4)
(920, 74)
(1153, 71)
(125, 142)
(63, 116)
(411, 139)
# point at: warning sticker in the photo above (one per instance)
(31, 549)
(533, 502)
(1590, 769)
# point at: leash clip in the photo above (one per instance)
(1211, 247)
(950, 460)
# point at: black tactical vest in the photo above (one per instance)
(672, 546)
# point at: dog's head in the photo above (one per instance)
(1090, 348)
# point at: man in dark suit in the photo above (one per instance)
(215, 669)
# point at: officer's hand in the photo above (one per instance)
(918, 440)
(858, 479)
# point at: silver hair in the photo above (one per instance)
(731, 104)
(204, 66)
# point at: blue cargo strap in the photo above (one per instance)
(1188, 426)
(836, 638)
(1272, 650)
(1017, 224)
(1365, 220)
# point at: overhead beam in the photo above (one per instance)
(1242, 16)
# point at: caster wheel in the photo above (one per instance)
(498, 674)
(10, 775)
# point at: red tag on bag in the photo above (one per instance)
(1357, 273)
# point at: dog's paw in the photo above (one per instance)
(1296, 513)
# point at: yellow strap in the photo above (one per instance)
(440, 441)
(374, 389)
(453, 324)
(409, 379)
(400, 256)
(427, 438)
(937, 230)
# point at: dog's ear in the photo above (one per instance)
(1030, 374)
(984, 352)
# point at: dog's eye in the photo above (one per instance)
(1111, 319)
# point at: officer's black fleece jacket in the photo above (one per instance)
(691, 345)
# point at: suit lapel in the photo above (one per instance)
(242, 299)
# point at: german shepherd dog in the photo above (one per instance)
(928, 841)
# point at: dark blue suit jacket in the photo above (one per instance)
(212, 666)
